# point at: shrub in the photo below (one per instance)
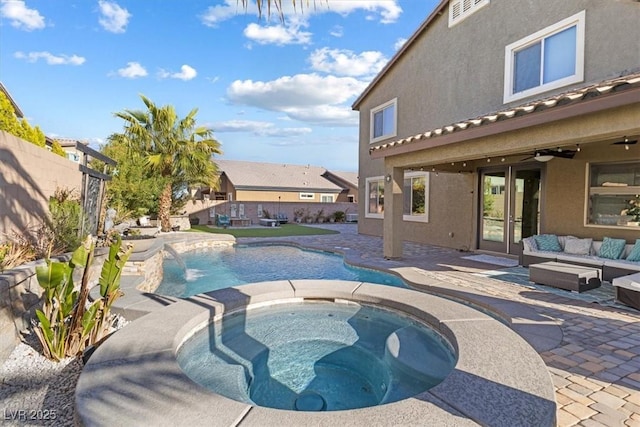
(67, 220)
(67, 324)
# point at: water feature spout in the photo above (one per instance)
(176, 256)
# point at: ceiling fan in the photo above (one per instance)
(547, 154)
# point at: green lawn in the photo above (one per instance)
(282, 231)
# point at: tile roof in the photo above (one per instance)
(575, 96)
(269, 176)
(347, 177)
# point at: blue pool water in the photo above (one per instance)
(316, 356)
(219, 268)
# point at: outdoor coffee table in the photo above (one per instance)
(570, 277)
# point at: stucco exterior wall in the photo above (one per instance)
(567, 192)
(29, 175)
(458, 73)
(453, 74)
(283, 196)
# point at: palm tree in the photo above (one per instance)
(277, 4)
(173, 148)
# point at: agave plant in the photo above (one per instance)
(67, 324)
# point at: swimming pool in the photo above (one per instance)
(218, 268)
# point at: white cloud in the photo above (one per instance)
(258, 128)
(306, 97)
(347, 63)
(21, 16)
(50, 58)
(114, 18)
(337, 31)
(278, 34)
(133, 70)
(186, 73)
(387, 11)
(216, 14)
(399, 43)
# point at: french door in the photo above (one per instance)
(510, 205)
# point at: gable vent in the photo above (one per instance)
(461, 9)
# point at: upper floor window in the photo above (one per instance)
(326, 198)
(549, 59)
(307, 196)
(383, 121)
(460, 9)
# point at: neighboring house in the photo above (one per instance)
(500, 119)
(69, 146)
(256, 181)
(254, 189)
(348, 181)
(15, 106)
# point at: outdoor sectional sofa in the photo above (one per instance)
(586, 252)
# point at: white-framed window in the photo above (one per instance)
(375, 197)
(260, 211)
(461, 9)
(307, 196)
(383, 121)
(326, 198)
(548, 59)
(416, 197)
(613, 195)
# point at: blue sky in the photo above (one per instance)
(271, 91)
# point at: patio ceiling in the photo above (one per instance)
(606, 95)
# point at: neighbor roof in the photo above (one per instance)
(17, 109)
(349, 178)
(276, 176)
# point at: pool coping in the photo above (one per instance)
(133, 378)
(542, 333)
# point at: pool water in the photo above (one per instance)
(218, 268)
(316, 356)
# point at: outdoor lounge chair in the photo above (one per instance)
(223, 220)
(282, 218)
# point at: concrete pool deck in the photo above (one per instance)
(592, 351)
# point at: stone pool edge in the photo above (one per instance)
(133, 378)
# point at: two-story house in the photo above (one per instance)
(501, 119)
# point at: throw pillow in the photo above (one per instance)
(612, 248)
(548, 243)
(578, 246)
(634, 255)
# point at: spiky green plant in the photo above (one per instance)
(67, 324)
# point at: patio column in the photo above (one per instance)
(392, 223)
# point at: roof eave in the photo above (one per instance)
(601, 103)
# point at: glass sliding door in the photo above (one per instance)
(509, 207)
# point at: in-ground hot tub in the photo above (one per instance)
(135, 378)
(316, 356)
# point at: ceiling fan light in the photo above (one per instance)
(543, 158)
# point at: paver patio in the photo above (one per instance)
(595, 368)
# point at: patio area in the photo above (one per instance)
(595, 367)
(589, 343)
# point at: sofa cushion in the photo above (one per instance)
(634, 255)
(578, 246)
(587, 260)
(548, 242)
(529, 244)
(612, 248)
